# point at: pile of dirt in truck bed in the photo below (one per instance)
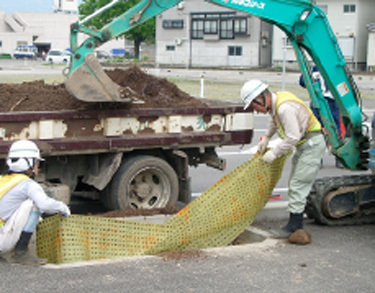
(129, 212)
(38, 96)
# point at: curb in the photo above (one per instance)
(273, 211)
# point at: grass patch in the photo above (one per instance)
(15, 78)
(226, 90)
(214, 90)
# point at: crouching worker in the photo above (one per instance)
(22, 201)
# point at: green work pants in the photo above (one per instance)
(305, 167)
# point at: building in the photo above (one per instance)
(44, 30)
(371, 47)
(196, 33)
(65, 6)
(348, 19)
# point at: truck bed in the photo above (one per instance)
(96, 131)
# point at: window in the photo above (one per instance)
(349, 8)
(240, 26)
(170, 48)
(234, 51)
(197, 29)
(324, 8)
(226, 24)
(173, 24)
(226, 29)
(210, 26)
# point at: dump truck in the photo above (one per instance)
(136, 157)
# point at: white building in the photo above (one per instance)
(65, 5)
(197, 33)
(44, 30)
(371, 47)
(348, 19)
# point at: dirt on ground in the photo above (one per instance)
(38, 96)
(178, 255)
(129, 212)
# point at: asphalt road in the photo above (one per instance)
(339, 259)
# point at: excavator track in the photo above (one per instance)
(345, 200)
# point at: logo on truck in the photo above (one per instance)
(247, 3)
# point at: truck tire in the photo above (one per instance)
(142, 182)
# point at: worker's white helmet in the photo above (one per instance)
(250, 90)
(23, 154)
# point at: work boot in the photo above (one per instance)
(295, 223)
(21, 254)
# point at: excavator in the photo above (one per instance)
(334, 201)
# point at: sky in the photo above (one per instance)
(27, 5)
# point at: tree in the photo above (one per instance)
(139, 34)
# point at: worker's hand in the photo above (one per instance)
(66, 212)
(269, 157)
(262, 146)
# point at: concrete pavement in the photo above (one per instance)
(339, 259)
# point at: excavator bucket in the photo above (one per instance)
(89, 83)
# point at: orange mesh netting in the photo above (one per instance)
(214, 219)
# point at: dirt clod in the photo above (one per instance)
(300, 237)
(38, 96)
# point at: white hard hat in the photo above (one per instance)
(22, 155)
(250, 90)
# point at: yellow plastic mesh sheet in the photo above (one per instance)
(214, 219)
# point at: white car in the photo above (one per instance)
(58, 56)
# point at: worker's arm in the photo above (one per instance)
(44, 203)
(295, 119)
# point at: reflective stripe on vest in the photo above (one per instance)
(7, 182)
(314, 124)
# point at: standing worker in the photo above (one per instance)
(297, 127)
(327, 95)
(22, 201)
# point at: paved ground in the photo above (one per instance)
(339, 259)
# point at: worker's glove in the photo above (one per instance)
(66, 212)
(262, 146)
(269, 157)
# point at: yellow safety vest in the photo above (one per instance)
(7, 182)
(314, 124)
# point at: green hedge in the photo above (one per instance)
(5, 56)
